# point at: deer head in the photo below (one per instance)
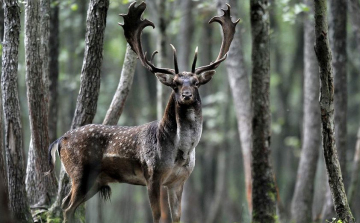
(184, 84)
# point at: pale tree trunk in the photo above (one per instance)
(354, 9)
(337, 36)
(40, 188)
(216, 206)
(90, 82)
(18, 202)
(355, 171)
(301, 206)
(263, 192)
(127, 74)
(323, 53)
(186, 35)
(53, 70)
(240, 89)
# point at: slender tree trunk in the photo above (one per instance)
(90, 81)
(40, 188)
(53, 70)
(1, 23)
(240, 89)
(18, 202)
(323, 53)
(354, 9)
(216, 206)
(301, 206)
(337, 35)
(117, 105)
(355, 171)
(263, 192)
(187, 32)
(3, 173)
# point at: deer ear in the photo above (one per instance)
(166, 79)
(205, 77)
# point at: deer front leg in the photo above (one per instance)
(174, 194)
(154, 197)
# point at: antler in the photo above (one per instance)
(133, 26)
(228, 28)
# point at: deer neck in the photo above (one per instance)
(181, 127)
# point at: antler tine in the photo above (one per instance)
(153, 55)
(133, 27)
(228, 28)
(194, 61)
(175, 60)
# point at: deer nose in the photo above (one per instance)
(186, 94)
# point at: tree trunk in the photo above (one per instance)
(301, 206)
(355, 171)
(222, 164)
(90, 81)
(1, 23)
(117, 105)
(53, 71)
(40, 188)
(3, 174)
(263, 192)
(18, 202)
(240, 89)
(186, 35)
(323, 54)
(354, 9)
(337, 35)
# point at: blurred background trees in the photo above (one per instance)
(220, 179)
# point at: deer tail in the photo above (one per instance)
(55, 146)
(105, 192)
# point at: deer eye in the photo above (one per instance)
(197, 84)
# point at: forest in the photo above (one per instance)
(280, 117)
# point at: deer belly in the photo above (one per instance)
(122, 170)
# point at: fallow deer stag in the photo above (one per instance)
(156, 154)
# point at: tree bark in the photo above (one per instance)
(53, 70)
(18, 202)
(337, 35)
(263, 192)
(240, 89)
(90, 81)
(127, 74)
(40, 188)
(323, 54)
(301, 206)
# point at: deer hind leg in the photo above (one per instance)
(82, 189)
(154, 197)
(79, 196)
(174, 194)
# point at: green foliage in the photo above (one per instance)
(291, 11)
(74, 7)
